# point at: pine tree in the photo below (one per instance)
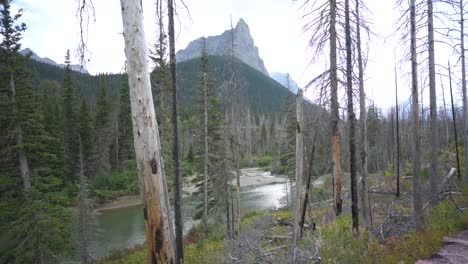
(102, 125)
(70, 108)
(87, 135)
(34, 225)
(210, 134)
(126, 150)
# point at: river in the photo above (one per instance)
(123, 227)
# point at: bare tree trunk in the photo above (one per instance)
(397, 138)
(445, 113)
(433, 106)
(363, 122)
(454, 119)
(205, 154)
(307, 188)
(226, 184)
(83, 210)
(416, 146)
(465, 104)
(352, 121)
(335, 117)
(296, 232)
(22, 159)
(175, 143)
(153, 186)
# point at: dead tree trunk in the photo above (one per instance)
(335, 116)
(397, 138)
(352, 121)
(454, 120)
(205, 142)
(465, 104)
(21, 154)
(416, 146)
(445, 113)
(363, 121)
(433, 105)
(298, 194)
(175, 143)
(307, 188)
(83, 210)
(153, 187)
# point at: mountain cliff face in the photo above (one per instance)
(244, 47)
(34, 56)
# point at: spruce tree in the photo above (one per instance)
(126, 150)
(103, 110)
(34, 225)
(70, 108)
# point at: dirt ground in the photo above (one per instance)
(454, 251)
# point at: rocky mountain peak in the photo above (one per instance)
(244, 47)
(34, 56)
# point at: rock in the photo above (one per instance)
(34, 56)
(220, 45)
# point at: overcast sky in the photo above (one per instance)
(275, 25)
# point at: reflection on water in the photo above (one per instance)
(124, 227)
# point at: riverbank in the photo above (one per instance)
(120, 202)
(250, 177)
(254, 177)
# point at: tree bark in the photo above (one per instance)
(83, 210)
(205, 154)
(352, 121)
(445, 113)
(153, 187)
(416, 146)
(335, 117)
(397, 138)
(363, 121)
(307, 188)
(175, 142)
(433, 105)
(298, 194)
(465, 104)
(454, 119)
(21, 154)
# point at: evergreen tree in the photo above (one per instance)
(103, 129)
(87, 135)
(125, 134)
(70, 108)
(34, 225)
(211, 139)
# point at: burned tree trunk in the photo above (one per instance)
(352, 121)
(363, 121)
(416, 146)
(153, 186)
(298, 201)
(454, 120)
(335, 116)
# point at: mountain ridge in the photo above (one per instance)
(34, 56)
(220, 45)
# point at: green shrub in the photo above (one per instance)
(339, 245)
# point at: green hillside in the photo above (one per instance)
(263, 93)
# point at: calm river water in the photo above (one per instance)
(124, 227)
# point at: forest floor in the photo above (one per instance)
(120, 202)
(455, 250)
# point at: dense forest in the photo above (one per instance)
(200, 146)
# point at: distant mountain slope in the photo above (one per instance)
(281, 78)
(46, 60)
(220, 45)
(262, 94)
